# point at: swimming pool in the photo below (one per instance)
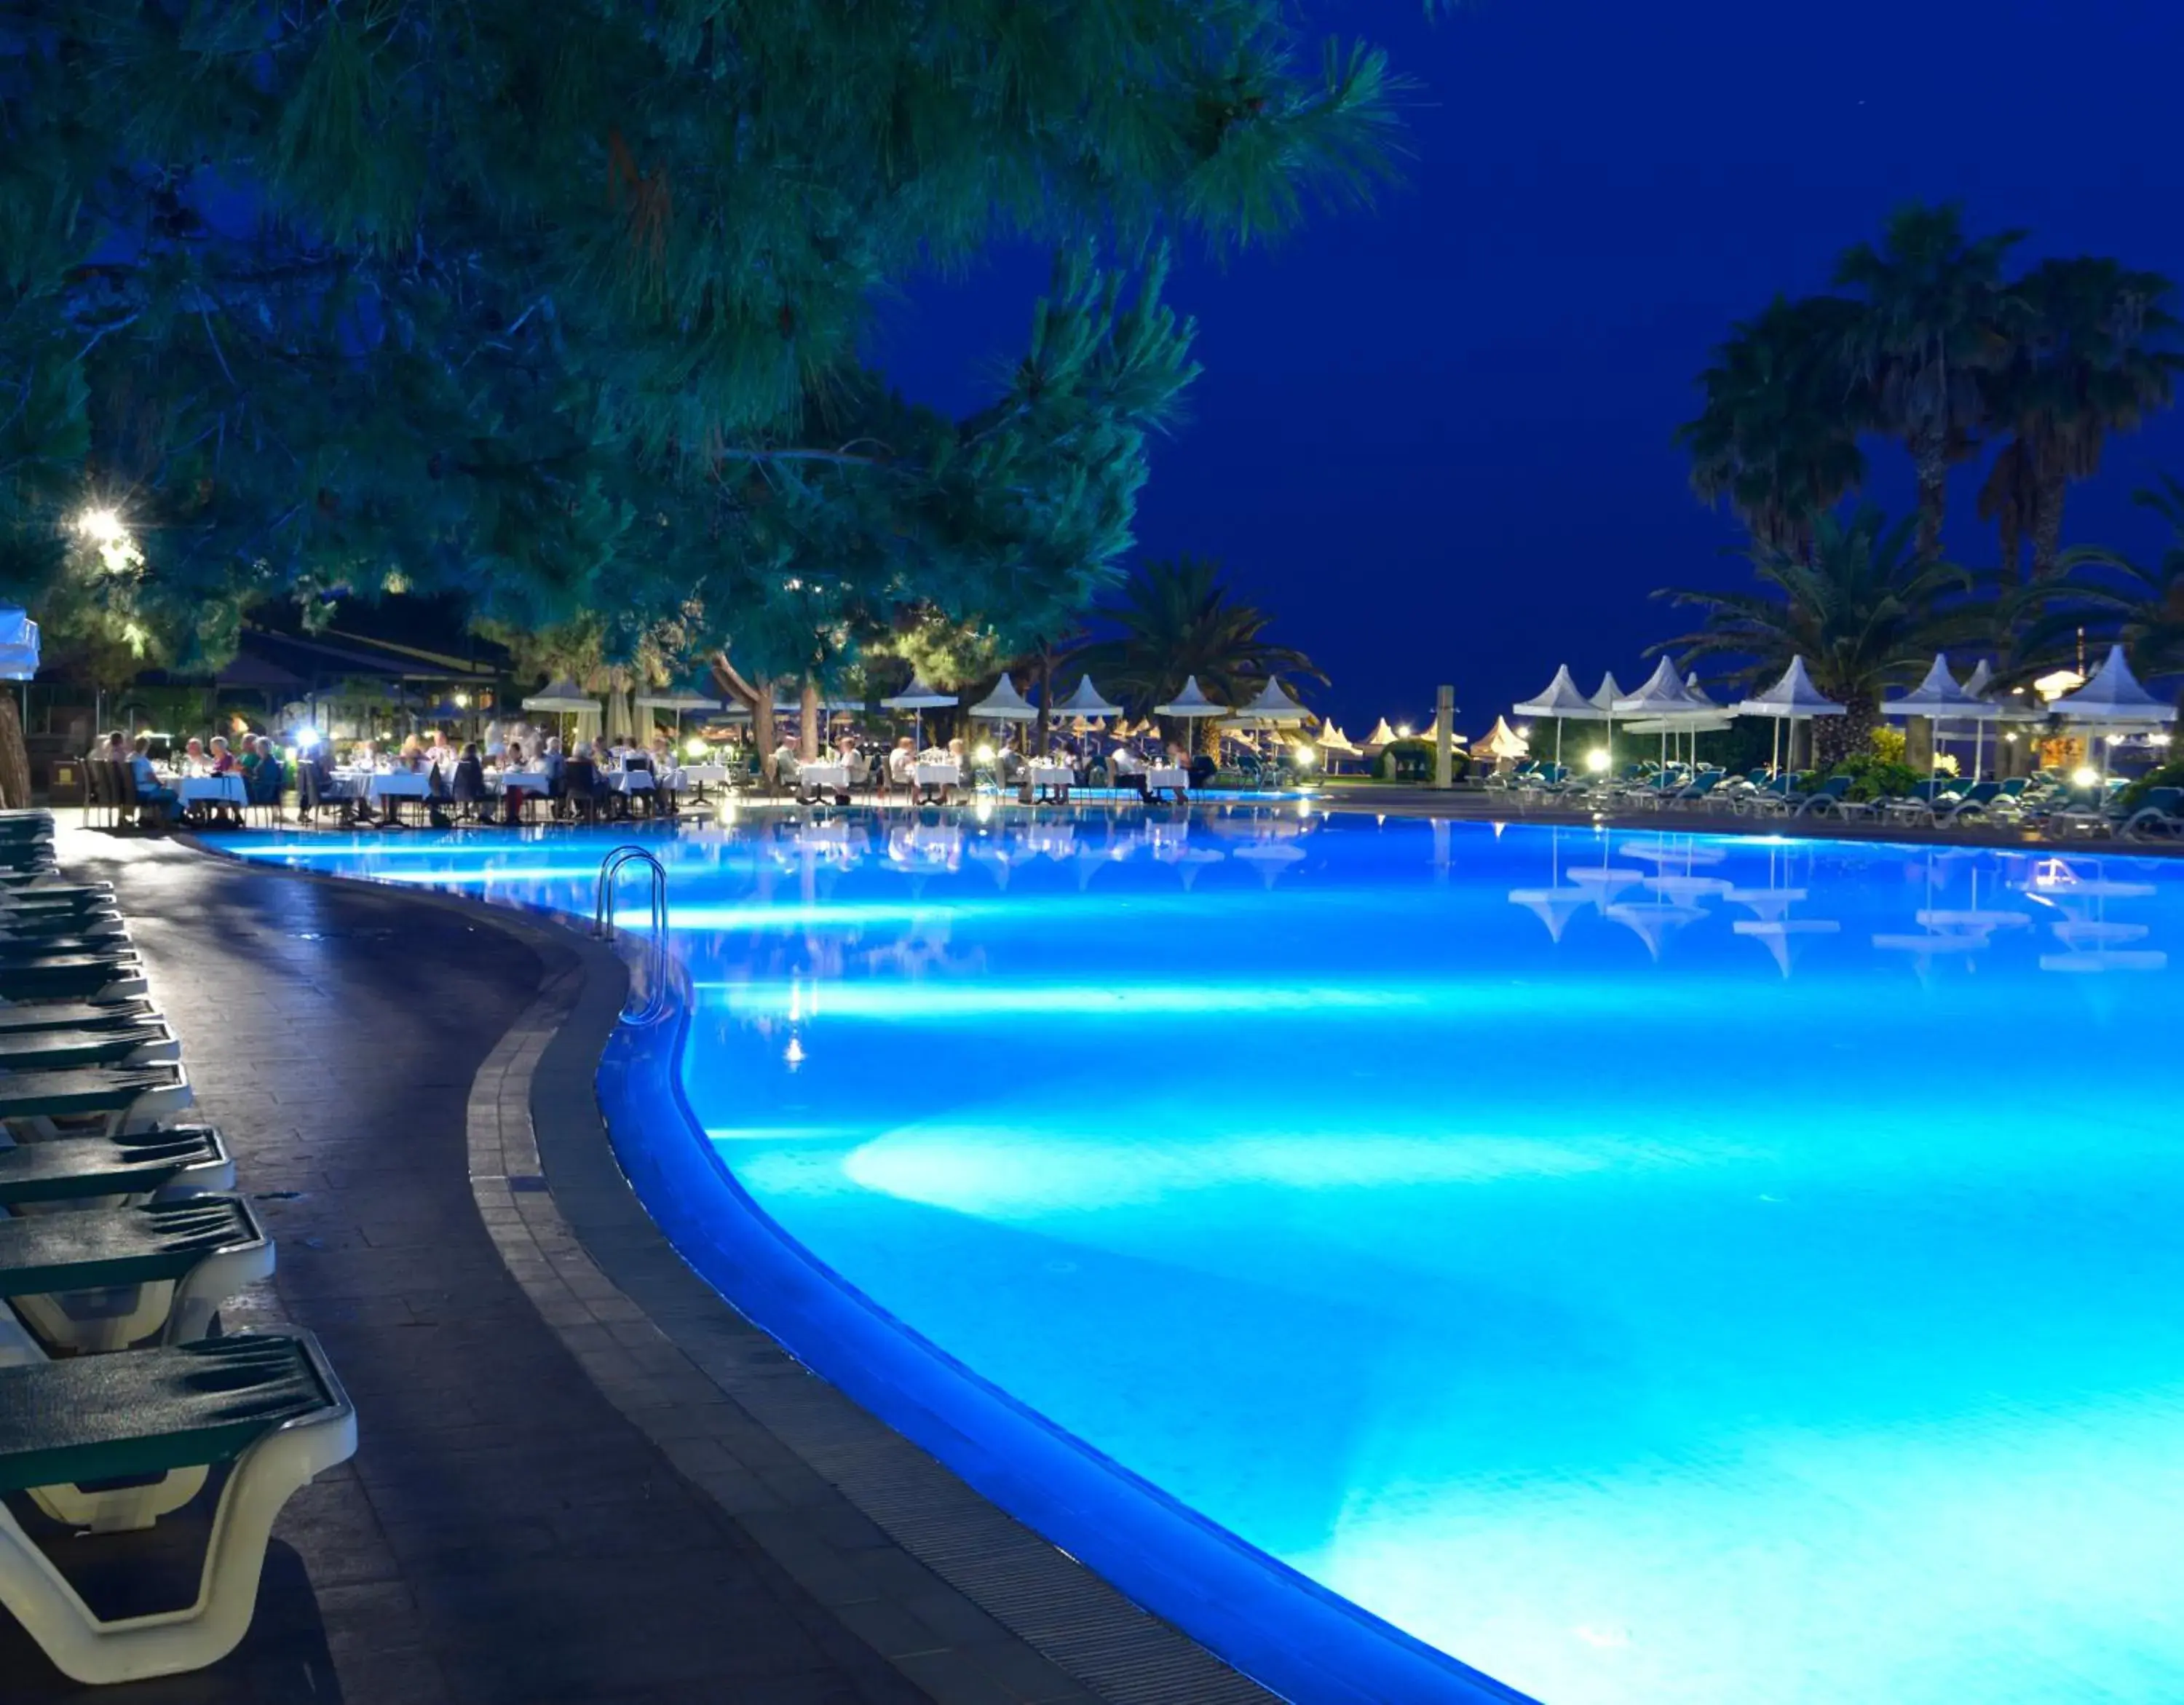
(1639, 1267)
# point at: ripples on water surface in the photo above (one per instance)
(1645, 1267)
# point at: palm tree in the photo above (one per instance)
(2140, 604)
(1777, 438)
(1176, 620)
(1864, 613)
(2087, 361)
(1936, 316)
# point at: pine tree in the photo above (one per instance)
(560, 307)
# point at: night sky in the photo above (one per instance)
(1434, 437)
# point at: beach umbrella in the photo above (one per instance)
(1086, 701)
(918, 699)
(1794, 698)
(1564, 702)
(2113, 701)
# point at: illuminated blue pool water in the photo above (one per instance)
(1645, 1267)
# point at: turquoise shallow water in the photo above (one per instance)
(1644, 1266)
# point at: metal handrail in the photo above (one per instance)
(603, 923)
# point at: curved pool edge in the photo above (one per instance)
(1271, 1622)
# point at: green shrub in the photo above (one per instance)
(1412, 760)
(1875, 777)
(2168, 776)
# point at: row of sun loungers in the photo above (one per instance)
(2047, 804)
(121, 1406)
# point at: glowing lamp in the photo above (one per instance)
(694, 747)
(984, 754)
(1304, 757)
(102, 526)
(1596, 760)
(2085, 776)
(1402, 730)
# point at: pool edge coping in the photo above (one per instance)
(679, 1361)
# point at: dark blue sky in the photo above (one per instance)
(1434, 437)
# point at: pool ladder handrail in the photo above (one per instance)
(603, 923)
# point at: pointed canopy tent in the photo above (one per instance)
(1939, 698)
(1502, 741)
(1191, 705)
(1086, 701)
(1699, 694)
(1604, 700)
(918, 699)
(1382, 735)
(2113, 697)
(1561, 699)
(1272, 707)
(1005, 705)
(917, 696)
(1332, 740)
(1793, 699)
(1666, 706)
(562, 695)
(1564, 702)
(686, 697)
(1938, 695)
(19, 644)
(1663, 694)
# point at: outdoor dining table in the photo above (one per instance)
(529, 781)
(944, 774)
(1171, 777)
(822, 778)
(1052, 778)
(211, 790)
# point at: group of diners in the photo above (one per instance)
(472, 784)
(245, 771)
(937, 774)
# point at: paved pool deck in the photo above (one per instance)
(580, 1476)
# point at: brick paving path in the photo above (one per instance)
(504, 1536)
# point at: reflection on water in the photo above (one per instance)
(1647, 1267)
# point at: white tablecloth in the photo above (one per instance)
(702, 776)
(628, 781)
(939, 775)
(398, 785)
(823, 776)
(1053, 775)
(528, 781)
(1166, 775)
(211, 790)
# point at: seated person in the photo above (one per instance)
(466, 783)
(153, 794)
(580, 780)
(902, 763)
(265, 779)
(194, 761)
(222, 760)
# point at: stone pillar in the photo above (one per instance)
(1444, 736)
(1919, 743)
